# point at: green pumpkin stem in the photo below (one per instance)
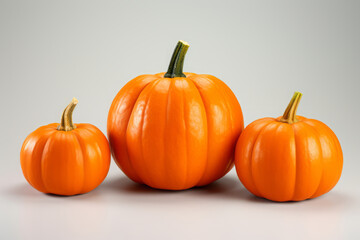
(289, 115)
(177, 61)
(66, 118)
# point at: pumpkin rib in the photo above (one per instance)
(42, 134)
(339, 153)
(82, 158)
(142, 169)
(296, 162)
(251, 157)
(26, 170)
(94, 132)
(104, 144)
(171, 85)
(133, 171)
(152, 86)
(190, 86)
(81, 144)
(295, 170)
(231, 97)
(207, 127)
(204, 131)
(178, 104)
(309, 166)
(339, 150)
(322, 161)
(202, 104)
(115, 105)
(224, 106)
(42, 157)
(268, 185)
(127, 150)
(336, 143)
(243, 161)
(42, 160)
(230, 113)
(186, 138)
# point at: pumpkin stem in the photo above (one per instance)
(66, 118)
(290, 112)
(177, 61)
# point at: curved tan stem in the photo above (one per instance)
(66, 118)
(289, 115)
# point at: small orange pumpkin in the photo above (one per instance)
(65, 159)
(174, 130)
(290, 158)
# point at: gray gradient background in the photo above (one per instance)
(264, 50)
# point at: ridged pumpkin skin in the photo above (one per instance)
(174, 133)
(65, 162)
(288, 162)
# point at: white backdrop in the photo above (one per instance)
(51, 51)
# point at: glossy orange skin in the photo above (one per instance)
(174, 133)
(288, 162)
(65, 163)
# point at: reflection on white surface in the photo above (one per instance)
(39, 215)
(121, 208)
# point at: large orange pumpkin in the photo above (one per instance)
(174, 130)
(65, 159)
(290, 158)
